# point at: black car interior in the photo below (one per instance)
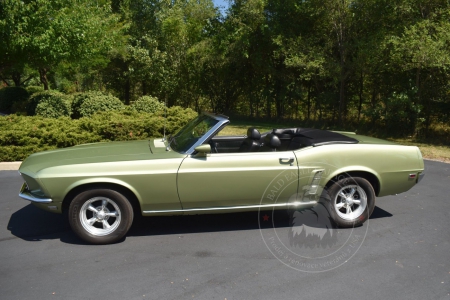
(252, 142)
(284, 139)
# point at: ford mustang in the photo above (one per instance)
(102, 186)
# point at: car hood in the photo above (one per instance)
(97, 153)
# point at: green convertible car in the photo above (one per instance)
(101, 186)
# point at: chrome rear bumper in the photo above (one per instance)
(421, 176)
(27, 195)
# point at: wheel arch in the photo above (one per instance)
(124, 190)
(369, 176)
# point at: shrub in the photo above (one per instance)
(147, 104)
(131, 125)
(177, 117)
(87, 104)
(20, 108)
(21, 136)
(12, 96)
(51, 104)
(32, 89)
(54, 107)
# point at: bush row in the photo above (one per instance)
(53, 104)
(21, 136)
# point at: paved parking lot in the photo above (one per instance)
(405, 254)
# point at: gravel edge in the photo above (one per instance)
(8, 166)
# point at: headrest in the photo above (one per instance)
(272, 141)
(253, 133)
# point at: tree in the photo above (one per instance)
(43, 33)
(424, 49)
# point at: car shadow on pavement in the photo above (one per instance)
(207, 223)
(379, 213)
(33, 224)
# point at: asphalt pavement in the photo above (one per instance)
(404, 254)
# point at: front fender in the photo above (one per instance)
(99, 181)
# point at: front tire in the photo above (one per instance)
(100, 216)
(352, 200)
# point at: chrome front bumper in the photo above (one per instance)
(27, 195)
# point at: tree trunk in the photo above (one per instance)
(268, 108)
(127, 91)
(342, 112)
(309, 101)
(251, 105)
(43, 77)
(257, 108)
(361, 89)
(279, 100)
(16, 78)
(415, 116)
(144, 88)
(197, 103)
(373, 103)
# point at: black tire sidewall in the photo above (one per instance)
(124, 205)
(368, 189)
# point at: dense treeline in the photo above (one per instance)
(380, 63)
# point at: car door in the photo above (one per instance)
(237, 180)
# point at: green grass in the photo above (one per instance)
(242, 129)
(429, 150)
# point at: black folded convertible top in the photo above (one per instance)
(321, 137)
(314, 137)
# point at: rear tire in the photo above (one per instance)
(352, 200)
(100, 216)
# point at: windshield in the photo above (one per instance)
(191, 133)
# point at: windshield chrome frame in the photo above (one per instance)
(222, 121)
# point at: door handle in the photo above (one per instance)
(287, 160)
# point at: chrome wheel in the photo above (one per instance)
(350, 202)
(100, 216)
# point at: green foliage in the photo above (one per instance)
(54, 106)
(21, 136)
(87, 104)
(44, 33)
(338, 62)
(48, 99)
(12, 97)
(32, 89)
(131, 125)
(176, 118)
(401, 114)
(148, 104)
